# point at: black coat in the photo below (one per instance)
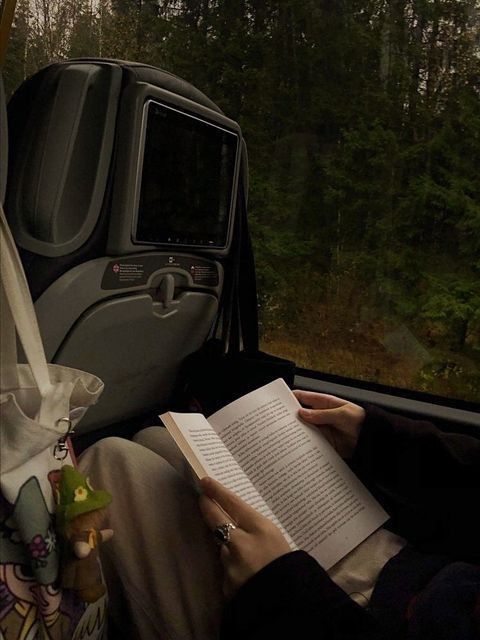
(429, 483)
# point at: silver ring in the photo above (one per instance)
(222, 533)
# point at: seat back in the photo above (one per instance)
(128, 311)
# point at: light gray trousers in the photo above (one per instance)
(162, 567)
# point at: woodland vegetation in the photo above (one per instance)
(362, 119)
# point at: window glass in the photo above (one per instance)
(362, 120)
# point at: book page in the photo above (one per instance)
(208, 455)
(319, 501)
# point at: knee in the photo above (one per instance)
(159, 440)
(114, 460)
(458, 573)
(122, 466)
(450, 598)
(150, 436)
(105, 450)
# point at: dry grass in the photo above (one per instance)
(336, 328)
(360, 355)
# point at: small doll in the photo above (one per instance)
(81, 517)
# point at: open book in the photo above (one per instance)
(259, 448)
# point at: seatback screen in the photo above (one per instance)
(187, 180)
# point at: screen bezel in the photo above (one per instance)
(139, 174)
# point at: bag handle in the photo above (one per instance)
(8, 344)
(21, 308)
(238, 308)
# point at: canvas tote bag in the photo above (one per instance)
(40, 405)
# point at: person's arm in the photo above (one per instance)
(273, 592)
(415, 453)
(426, 479)
(429, 480)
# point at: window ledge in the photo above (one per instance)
(392, 403)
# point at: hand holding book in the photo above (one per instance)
(340, 420)
(255, 542)
(258, 447)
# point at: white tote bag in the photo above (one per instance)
(40, 405)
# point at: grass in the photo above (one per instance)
(358, 352)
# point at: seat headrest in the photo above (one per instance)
(62, 127)
(140, 72)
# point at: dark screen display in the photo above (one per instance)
(187, 180)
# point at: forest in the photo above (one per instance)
(362, 120)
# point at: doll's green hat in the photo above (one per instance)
(76, 496)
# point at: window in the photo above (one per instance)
(362, 121)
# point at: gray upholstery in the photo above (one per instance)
(62, 158)
(130, 316)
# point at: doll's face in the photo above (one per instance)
(22, 585)
(91, 520)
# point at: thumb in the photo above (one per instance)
(320, 416)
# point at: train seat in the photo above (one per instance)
(126, 308)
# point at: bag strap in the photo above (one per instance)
(16, 292)
(247, 285)
(6, 22)
(8, 344)
(238, 308)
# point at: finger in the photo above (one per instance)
(240, 512)
(212, 513)
(318, 400)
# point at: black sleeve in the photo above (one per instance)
(293, 597)
(427, 480)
